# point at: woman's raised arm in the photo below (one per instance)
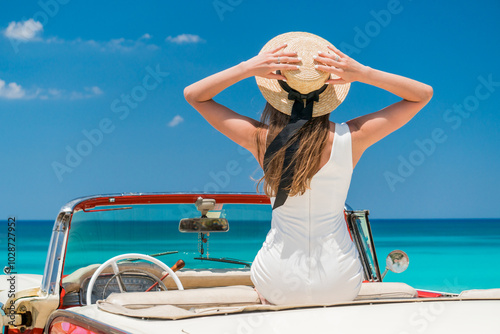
(239, 128)
(369, 129)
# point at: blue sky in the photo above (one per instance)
(91, 99)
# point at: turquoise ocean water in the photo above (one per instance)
(445, 254)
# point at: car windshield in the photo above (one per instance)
(103, 232)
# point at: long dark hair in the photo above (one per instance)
(313, 136)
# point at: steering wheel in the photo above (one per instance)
(145, 272)
(114, 265)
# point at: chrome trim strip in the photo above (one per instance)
(53, 263)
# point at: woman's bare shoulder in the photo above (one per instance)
(356, 144)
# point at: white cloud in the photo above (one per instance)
(15, 91)
(122, 44)
(184, 38)
(117, 44)
(175, 121)
(94, 90)
(54, 40)
(55, 92)
(30, 29)
(11, 90)
(89, 92)
(26, 30)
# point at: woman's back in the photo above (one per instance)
(308, 256)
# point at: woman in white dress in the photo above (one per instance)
(308, 256)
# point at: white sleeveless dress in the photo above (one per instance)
(308, 256)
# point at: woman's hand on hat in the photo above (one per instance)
(341, 65)
(265, 64)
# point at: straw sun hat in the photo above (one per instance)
(304, 80)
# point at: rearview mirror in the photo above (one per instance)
(204, 225)
(397, 261)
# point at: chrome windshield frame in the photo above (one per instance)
(357, 237)
(52, 276)
(55, 254)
